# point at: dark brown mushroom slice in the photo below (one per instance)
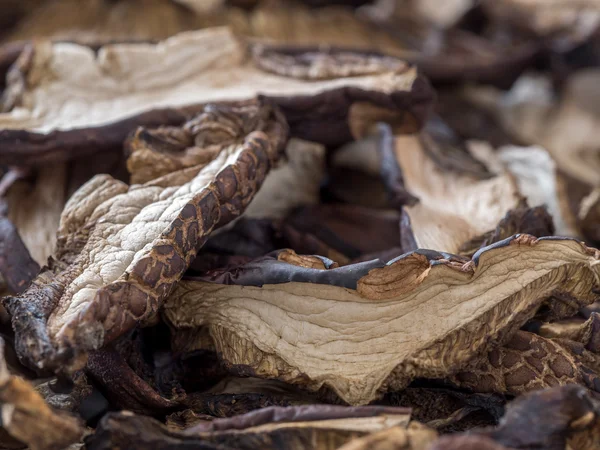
(547, 418)
(526, 362)
(94, 123)
(28, 418)
(451, 54)
(66, 395)
(17, 266)
(111, 271)
(337, 307)
(470, 120)
(534, 221)
(123, 387)
(302, 427)
(556, 418)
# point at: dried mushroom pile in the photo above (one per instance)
(269, 224)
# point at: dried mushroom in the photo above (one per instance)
(307, 224)
(336, 309)
(303, 427)
(102, 288)
(58, 112)
(452, 207)
(27, 418)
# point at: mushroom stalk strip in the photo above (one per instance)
(424, 314)
(122, 248)
(70, 101)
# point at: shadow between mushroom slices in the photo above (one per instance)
(57, 115)
(316, 327)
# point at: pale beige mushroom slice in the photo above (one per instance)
(367, 328)
(453, 207)
(35, 209)
(68, 100)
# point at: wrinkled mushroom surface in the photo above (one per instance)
(65, 98)
(452, 207)
(317, 327)
(121, 248)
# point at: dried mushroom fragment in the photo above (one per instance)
(538, 181)
(414, 437)
(547, 419)
(534, 221)
(17, 267)
(317, 327)
(323, 427)
(71, 101)
(553, 419)
(94, 21)
(568, 128)
(26, 417)
(586, 332)
(453, 207)
(123, 387)
(35, 208)
(122, 248)
(556, 18)
(526, 362)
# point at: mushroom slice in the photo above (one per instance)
(35, 209)
(534, 221)
(26, 417)
(453, 207)
(370, 327)
(17, 267)
(568, 129)
(309, 427)
(69, 100)
(537, 178)
(563, 19)
(415, 437)
(93, 21)
(526, 362)
(122, 248)
(586, 332)
(553, 419)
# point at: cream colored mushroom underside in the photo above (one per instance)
(69, 87)
(452, 208)
(352, 343)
